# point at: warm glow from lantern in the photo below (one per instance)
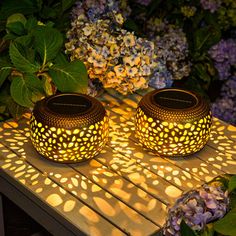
(79, 142)
(173, 132)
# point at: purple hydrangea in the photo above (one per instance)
(94, 10)
(144, 2)
(197, 208)
(224, 55)
(211, 5)
(161, 77)
(225, 107)
(172, 47)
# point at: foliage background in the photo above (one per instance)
(209, 26)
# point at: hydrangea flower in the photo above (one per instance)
(172, 48)
(211, 5)
(144, 2)
(197, 208)
(112, 55)
(224, 55)
(188, 11)
(225, 107)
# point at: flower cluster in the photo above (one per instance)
(225, 107)
(144, 2)
(227, 14)
(197, 208)
(89, 10)
(224, 55)
(172, 48)
(211, 5)
(112, 55)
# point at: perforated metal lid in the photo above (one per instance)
(174, 105)
(69, 110)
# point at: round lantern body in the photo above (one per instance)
(69, 128)
(173, 122)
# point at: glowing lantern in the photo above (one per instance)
(173, 122)
(69, 128)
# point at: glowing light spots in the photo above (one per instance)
(89, 214)
(69, 206)
(54, 200)
(104, 206)
(173, 191)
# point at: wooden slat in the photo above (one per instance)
(223, 128)
(89, 193)
(136, 174)
(117, 186)
(66, 205)
(199, 165)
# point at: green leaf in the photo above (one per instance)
(153, 6)
(61, 59)
(131, 25)
(66, 4)
(17, 17)
(10, 7)
(34, 83)
(201, 72)
(48, 42)
(16, 28)
(71, 77)
(185, 230)
(25, 41)
(20, 92)
(15, 109)
(226, 225)
(232, 183)
(31, 23)
(20, 61)
(208, 230)
(4, 72)
(206, 37)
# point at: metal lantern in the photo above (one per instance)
(173, 122)
(69, 128)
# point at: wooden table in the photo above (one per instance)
(125, 190)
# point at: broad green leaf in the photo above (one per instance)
(15, 109)
(232, 200)
(34, 83)
(31, 23)
(17, 17)
(226, 225)
(61, 59)
(66, 4)
(201, 72)
(25, 40)
(232, 183)
(208, 230)
(20, 61)
(16, 28)
(4, 72)
(48, 42)
(153, 7)
(10, 7)
(20, 92)
(131, 25)
(206, 37)
(71, 77)
(185, 230)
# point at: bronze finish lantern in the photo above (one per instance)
(173, 122)
(69, 128)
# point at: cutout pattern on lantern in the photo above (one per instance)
(161, 135)
(75, 144)
(172, 131)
